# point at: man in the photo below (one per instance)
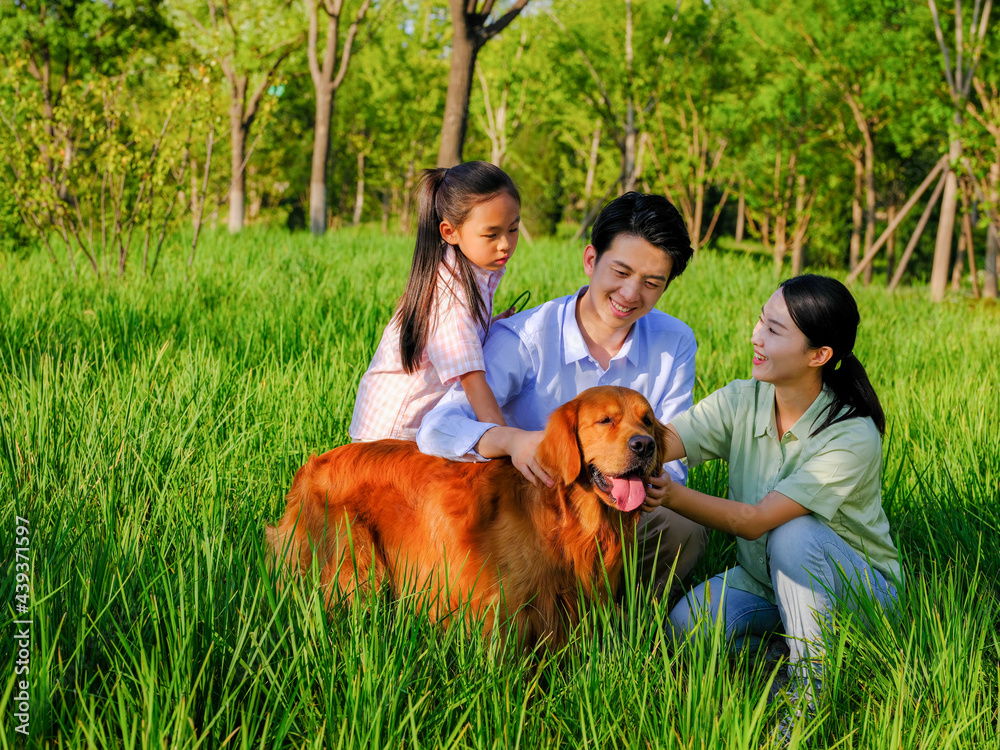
(607, 333)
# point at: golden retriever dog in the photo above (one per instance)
(479, 536)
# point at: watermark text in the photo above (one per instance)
(22, 625)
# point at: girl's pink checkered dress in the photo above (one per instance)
(390, 402)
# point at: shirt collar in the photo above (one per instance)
(634, 347)
(807, 422)
(765, 423)
(575, 348)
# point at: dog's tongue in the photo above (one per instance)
(628, 493)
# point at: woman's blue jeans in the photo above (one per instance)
(813, 572)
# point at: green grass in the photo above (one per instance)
(150, 428)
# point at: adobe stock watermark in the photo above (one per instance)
(22, 625)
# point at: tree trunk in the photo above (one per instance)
(404, 216)
(946, 224)
(990, 266)
(798, 239)
(780, 242)
(320, 159)
(959, 267)
(869, 199)
(856, 214)
(386, 210)
(195, 216)
(595, 144)
(628, 154)
(326, 79)
(970, 250)
(359, 196)
(992, 234)
(49, 127)
(915, 238)
(699, 199)
(237, 179)
(67, 162)
(631, 133)
(464, 49)
(890, 246)
(741, 209)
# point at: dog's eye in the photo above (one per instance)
(647, 421)
(606, 420)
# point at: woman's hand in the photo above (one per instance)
(658, 492)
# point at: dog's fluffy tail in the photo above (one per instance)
(288, 540)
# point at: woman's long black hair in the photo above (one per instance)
(444, 194)
(825, 311)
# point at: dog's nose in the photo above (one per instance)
(641, 445)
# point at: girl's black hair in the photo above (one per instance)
(444, 194)
(824, 310)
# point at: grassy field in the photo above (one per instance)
(150, 428)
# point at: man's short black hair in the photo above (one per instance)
(649, 217)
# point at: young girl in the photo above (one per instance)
(803, 442)
(466, 234)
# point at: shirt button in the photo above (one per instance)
(760, 560)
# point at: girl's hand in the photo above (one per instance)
(658, 492)
(505, 314)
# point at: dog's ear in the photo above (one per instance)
(661, 435)
(559, 451)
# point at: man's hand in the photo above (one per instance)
(658, 492)
(522, 449)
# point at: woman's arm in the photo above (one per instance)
(742, 520)
(675, 446)
(481, 398)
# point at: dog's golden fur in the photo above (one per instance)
(479, 534)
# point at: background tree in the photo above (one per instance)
(57, 44)
(403, 112)
(470, 31)
(800, 130)
(693, 113)
(249, 40)
(968, 49)
(502, 113)
(327, 79)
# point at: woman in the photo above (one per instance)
(803, 442)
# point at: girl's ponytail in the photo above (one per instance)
(824, 310)
(418, 299)
(444, 194)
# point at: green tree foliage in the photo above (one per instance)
(249, 40)
(803, 128)
(53, 56)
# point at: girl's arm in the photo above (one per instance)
(481, 398)
(746, 521)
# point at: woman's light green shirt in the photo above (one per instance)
(836, 474)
